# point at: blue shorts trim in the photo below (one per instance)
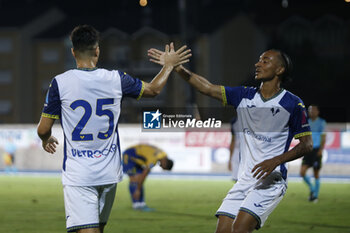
(85, 226)
(252, 214)
(220, 213)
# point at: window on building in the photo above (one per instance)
(5, 107)
(119, 55)
(5, 45)
(50, 55)
(5, 77)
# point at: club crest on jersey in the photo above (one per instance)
(152, 119)
(274, 111)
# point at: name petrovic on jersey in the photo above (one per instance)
(94, 153)
(257, 136)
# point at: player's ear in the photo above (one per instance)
(280, 70)
(97, 51)
(72, 50)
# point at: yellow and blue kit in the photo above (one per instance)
(139, 157)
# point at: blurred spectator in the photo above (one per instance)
(314, 158)
(9, 156)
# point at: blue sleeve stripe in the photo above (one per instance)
(141, 91)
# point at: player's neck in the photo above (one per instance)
(269, 88)
(88, 63)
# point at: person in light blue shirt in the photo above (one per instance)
(314, 158)
(9, 156)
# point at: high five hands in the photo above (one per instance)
(170, 57)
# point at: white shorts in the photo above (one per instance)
(88, 206)
(259, 200)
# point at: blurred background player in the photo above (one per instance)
(87, 100)
(138, 161)
(9, 156)
(269, 117)
(314, 158)
(233, 163)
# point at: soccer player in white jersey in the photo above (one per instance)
(269, 117)
(87, 100)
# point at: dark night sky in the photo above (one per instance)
(206, 16)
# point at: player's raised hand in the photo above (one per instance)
(50, 144)
(170, 57)
(156, 56)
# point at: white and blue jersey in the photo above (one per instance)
(88, 102)
(317, 128)
(266, 126)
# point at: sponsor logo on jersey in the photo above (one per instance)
(257, 136)
(94, 153)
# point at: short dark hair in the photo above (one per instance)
(84, 38)
(287, 64)
(315, 105)
(169, 164)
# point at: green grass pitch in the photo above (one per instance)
(35, 205)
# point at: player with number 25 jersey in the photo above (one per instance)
(88, 102)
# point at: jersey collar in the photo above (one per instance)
(87, 69)
(272, 97)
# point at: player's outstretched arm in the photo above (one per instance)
(263, 169)
(195, 80)
(171, 59)
(49, 142)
